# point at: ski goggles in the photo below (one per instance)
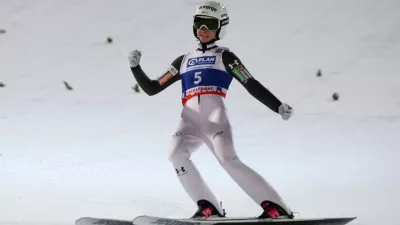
(209, 24)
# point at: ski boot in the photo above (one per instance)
(206, 209)
(273, 211)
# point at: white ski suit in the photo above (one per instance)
(206, 75)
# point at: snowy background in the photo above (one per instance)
(101, 150)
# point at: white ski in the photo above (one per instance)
(151, 220)
(101, 221)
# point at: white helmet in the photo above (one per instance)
(213, 9)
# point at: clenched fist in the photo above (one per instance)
(286, 111)
(134, 58)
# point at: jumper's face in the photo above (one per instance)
(205, 35)
(206, 28)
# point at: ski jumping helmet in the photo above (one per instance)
(213, 10)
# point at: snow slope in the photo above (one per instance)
(102, 149)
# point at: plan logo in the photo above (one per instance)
(203, 60)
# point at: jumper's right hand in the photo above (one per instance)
(134, 58)
(286, 111)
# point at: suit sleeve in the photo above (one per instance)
(152, 87)
(235, 67)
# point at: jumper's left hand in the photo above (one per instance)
(286, 111)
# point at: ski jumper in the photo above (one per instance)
(206, 75)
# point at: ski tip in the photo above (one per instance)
(353, 218)
(101, 221)
(81, 221)
(346, 218)
(349, 219)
